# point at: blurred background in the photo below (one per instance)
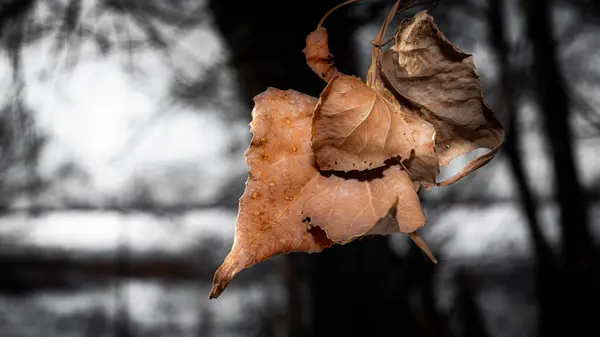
(123, 127)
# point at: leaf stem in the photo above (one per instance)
(333, 10)
(377, 43)
(423, 246)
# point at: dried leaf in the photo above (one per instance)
(317, 55)
(356, 127)
(388, 225)
(422, 165)
(426, 69)
(289, 206)
(422, 100)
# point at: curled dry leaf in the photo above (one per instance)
(422, 165)
(317, 55)
(356, 127)
(428, 104)
(359, 127)
(426, 69)
(289, 206)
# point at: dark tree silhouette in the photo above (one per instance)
(429, 320)
(546, 264)
(579, 288)
(470, 318)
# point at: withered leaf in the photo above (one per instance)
(289, 206)
(323, 173)
(388, 225)
(317, 54)
(426, 69)
(356, 127)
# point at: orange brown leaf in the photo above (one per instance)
(356, 127)
(289, 206)
(317, 55)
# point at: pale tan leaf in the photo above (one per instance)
(356, 127)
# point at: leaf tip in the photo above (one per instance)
(216, 291)
(219, 284)
(225, 273)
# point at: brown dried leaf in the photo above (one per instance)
(426, 69)
(358, 128)
(317, 55)
(388, 225)
(289, 206)
(422, 165)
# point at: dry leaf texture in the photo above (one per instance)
(289, 206)
(317, 55)
(357, 128)
(425, 68)
(422, 107)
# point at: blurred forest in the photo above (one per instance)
(123, 125)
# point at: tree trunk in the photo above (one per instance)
(265, 41)
(546, 269)
(579, 290)
(470, 317)
(420, 275)
(361, 290)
